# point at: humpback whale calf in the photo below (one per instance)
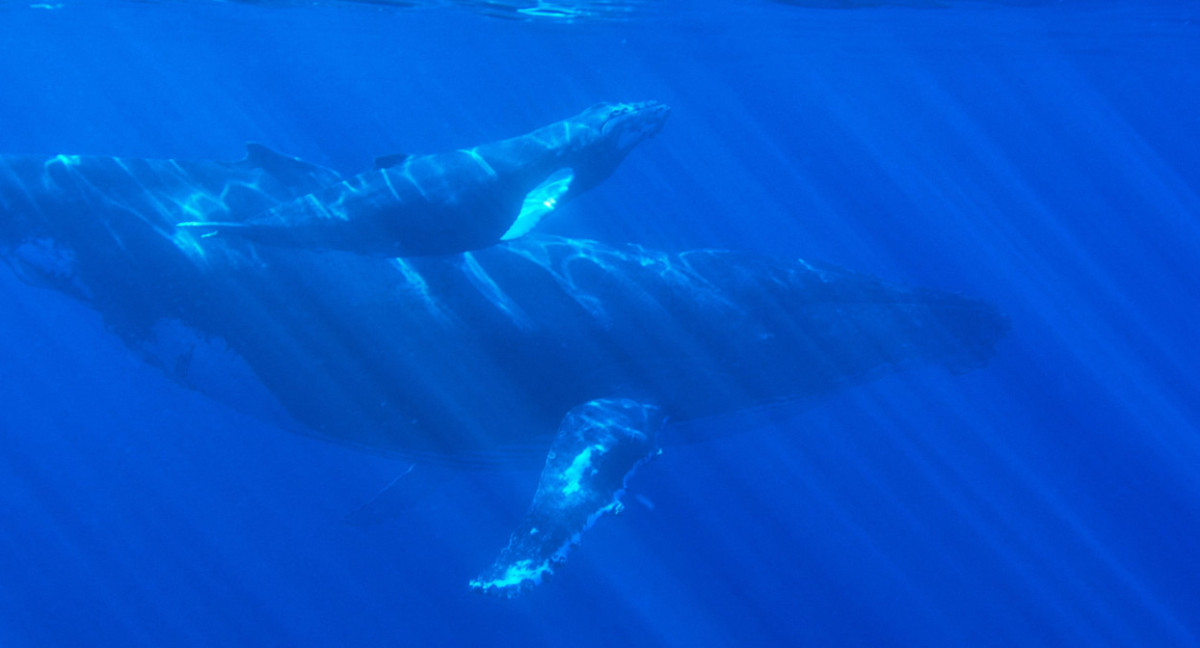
(414, 205)
(572, 353)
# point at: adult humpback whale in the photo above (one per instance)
(413, 205)
(566, 349)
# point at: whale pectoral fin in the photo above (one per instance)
(598, 446)
(539, 202)
(388, 161)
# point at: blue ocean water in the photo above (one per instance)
(1040, 156)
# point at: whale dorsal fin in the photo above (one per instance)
(388, 161)
(269, 159)
(539, 202)
(278, 164)
(285, 168)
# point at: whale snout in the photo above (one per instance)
(655, 113)
(650, 112)
(972, 329)
(628, 124)
(653, 108)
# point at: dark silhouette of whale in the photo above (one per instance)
(413, 205)
(550, 347)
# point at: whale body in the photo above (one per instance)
(415, 205)
(574, 351)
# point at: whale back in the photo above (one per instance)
(470, 357)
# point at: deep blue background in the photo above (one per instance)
(1043, 158)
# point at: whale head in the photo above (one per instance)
(625, 125)
(599, 138)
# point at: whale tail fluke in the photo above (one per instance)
(975, 328)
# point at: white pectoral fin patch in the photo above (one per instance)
(539, 202)
(598, 446)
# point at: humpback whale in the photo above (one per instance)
(414, 205)
(576, 354)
